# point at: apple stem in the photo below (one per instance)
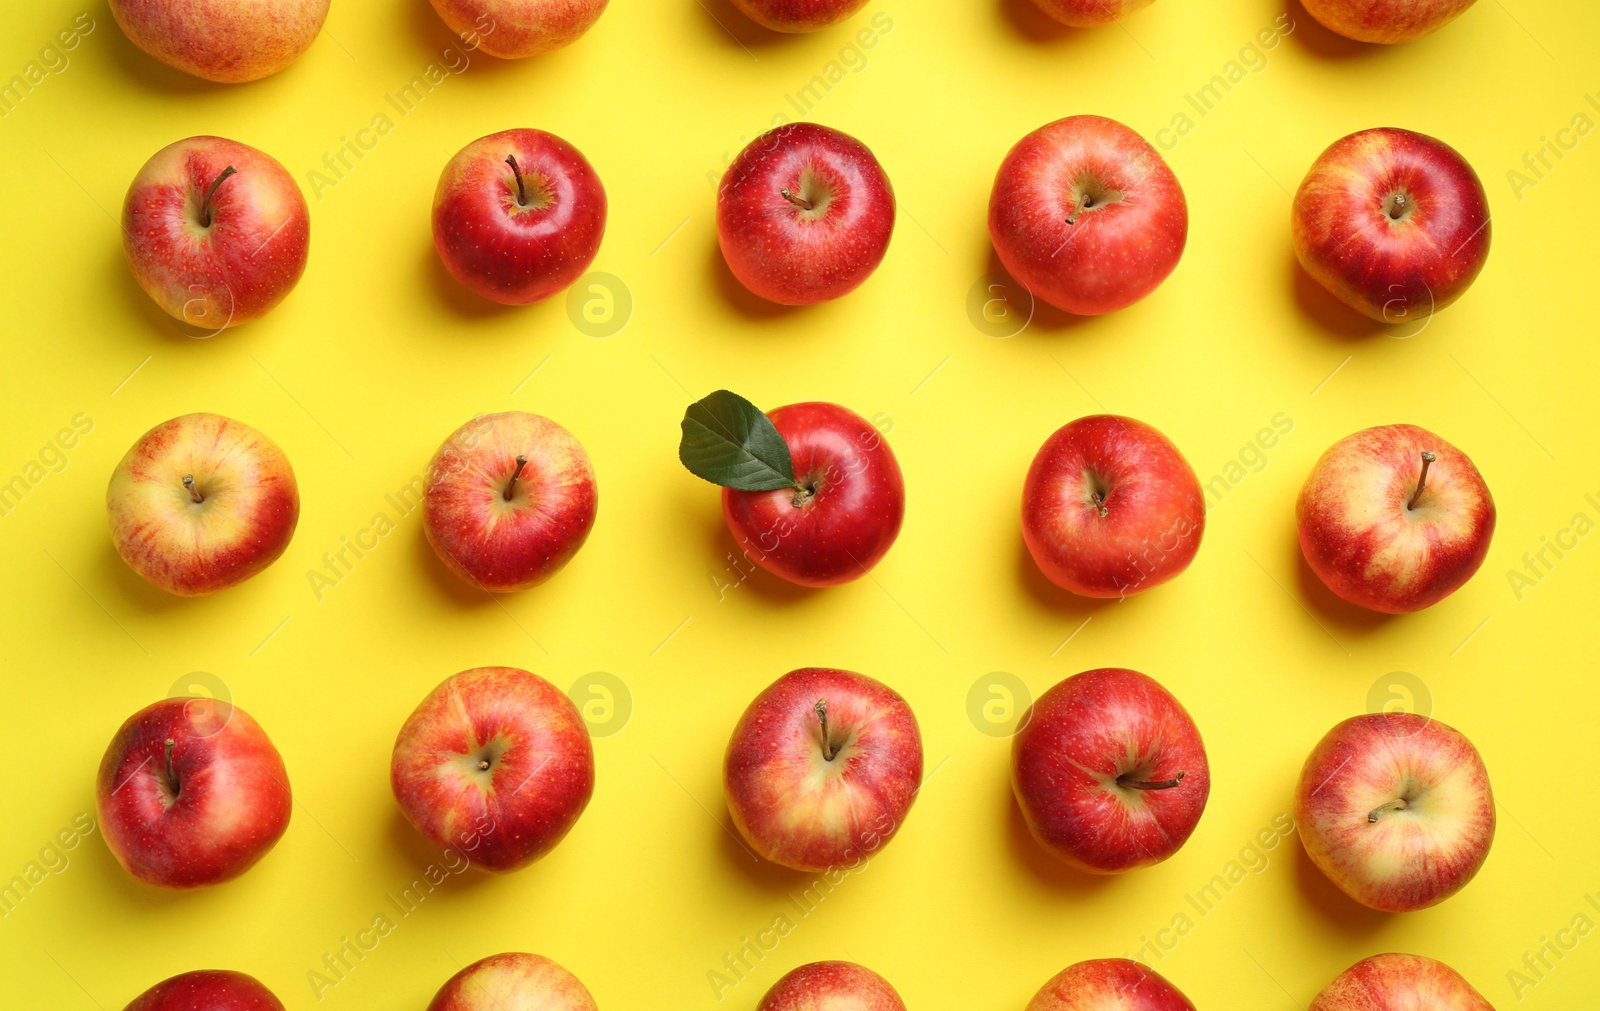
(194, 493)
(205, 207)
(1100, 503)
(798, 201)
(1084, 203)
(522, 190)
(822, 716)
(172, 778)
(1422, 482)
(1162, 784)
(1397, 207)
(1398, 804)
(522, 462)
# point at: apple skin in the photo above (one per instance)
(1081, 744)
(1412, 857)
(1130, 218)
(514, 29)
(797, 807)
(230, 807)
(1153, 506)
(250, 509)
(496, 764)
(513, 981)
(798, 15)
(1391, 270)
(237, 267)
(1090, 13)
(1362, 539)
(1385, 21)
(797, 255)
(853, 515)
(499, 544)
(228, 41)
(832, 986)
(1109, 984)
(506, 251)
(208, 990)
(1395, 982)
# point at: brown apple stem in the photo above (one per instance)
(511, 485)
(1162, 784)
(798, 201)
(822, 716)
(1084, 203)
(1397, 207)
(172, 777)
(194, 493)
(1422, 482)
(1398, 804)
(522, 190)
(1100, 503)
(205, 207)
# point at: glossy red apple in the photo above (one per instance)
(832, 986)
(1394, 518)
(1395, 982)
(514, 29)
(1396, 810)
(207, 990)
(191, 793)
(1109, 771)
(495, 764)
(804, 214)
(1385, 20)
(1086, 215)
(518, 216)
(1090, 13)
(229, 42)
(1109, 984)
(201, 503)
(1110, 508)
(798, 15)
(513, 981)
(216, 232)
(1392, 223)
(508, 500)
(822, 769)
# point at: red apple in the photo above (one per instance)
(804, 214)
(1109, 984)
(509, 499)
(831, 986)
(1109, 771)
(495, 764)
(191, 793)
(1090, 13)
(1394, 518)
(1086, 215)
(518, 216)
(207, 990)
(822, 769)
(798, 15)
(216, 232)
(1396, 810)
(1385, 20)
(513, 981)
(1399, 983)
(202, 502)
(229, 42)
(1394, 224)
(512, 29)
(1110, 508)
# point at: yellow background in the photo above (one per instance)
(377, 356)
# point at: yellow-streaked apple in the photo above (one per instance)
(1109, 984)
(513, 981)
(1397, 982)
(229, 41)
(1386, 21)
(1090, 13)
(514, 29)
(831, 986)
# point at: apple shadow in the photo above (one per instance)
(460, 301)
(740, 575)
(1053, 598)
(1039, 864)
(1045, 317)
(1325, 43)
(132, 589)
(114, 884)
(1332, 317)
(726, 24)
(1027, 21)
(1328, 606)
(150, 73)
(420, 853)
(450, 586)
(770, 878)
(1347, 915)
(740, 299)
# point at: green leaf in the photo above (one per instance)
(728, 441)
